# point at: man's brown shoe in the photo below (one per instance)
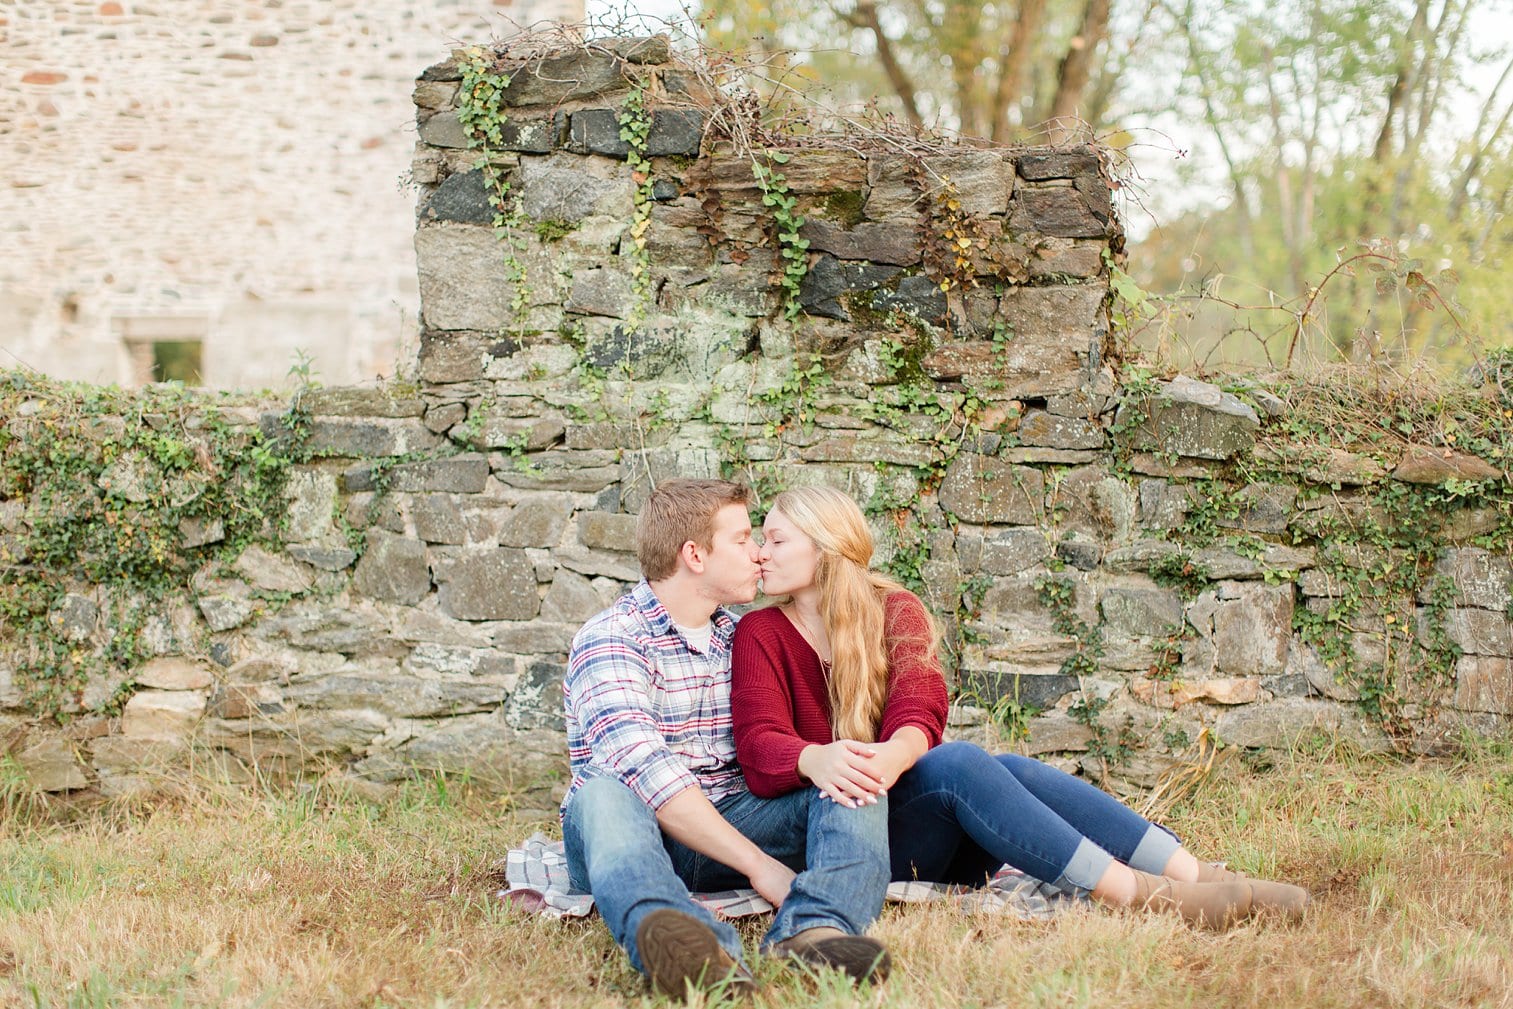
(860, 956)
(679, 951)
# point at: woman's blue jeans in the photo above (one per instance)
(616, 851)
(960, 813)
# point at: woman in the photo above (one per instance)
(839, 687)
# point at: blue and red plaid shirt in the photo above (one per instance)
(644, 707)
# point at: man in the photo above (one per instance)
(657, 806)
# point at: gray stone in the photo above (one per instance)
(1081, 553)
(1164, 505)
(533, 136)
(459, 474)
(1067, 164)
(1141, 555)
(199, 532)
(983, 180)
(619, 566)
(393, 569)
(648, 352)
(1481, 578)
(75, 617)
(483, 747)
(406, 696)
(244, 700)
(673, 132)
(462, 198)
(1424, 465)
(562, 187)
(52, 766)
(1282, 722)
(600, 292)
(895, 243)
(575, 75)
(1252, 628)
(570, 599)
(132, 478)
(443, 129)
(172, 672)
(1196, 419)
(1056, 732)
(1010, 551)
(497, 585)
(260, 669)
(323, 558)
(979, 488)
(537, 637)
(1223, 562)
(1092, 502)
(360, 438)
(1038, 427)
(443, 416)
(438, 519)
(118, 755)
(518, 434)
(466, 285)
(1321, 464)
(1264, 508)
(917, 296)
(537, 522)
(1140, 611)
(829, 278)
(1304, 661)
(1478, 632)
(434, 94)
(536, 703)
(311, 497)
(1035, 691)
(224, 611)
(586, 472)
(162, 713)
(1484, 683)
(272, 573)
(1060, 211)
(607, 531)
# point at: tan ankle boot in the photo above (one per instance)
(1281, 899)
(1209, 905)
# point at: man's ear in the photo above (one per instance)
(692, 555)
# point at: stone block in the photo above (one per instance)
(1252, 628)
(496, 585)
(1321, 464)
(1141, 611)
(983, 180)
(465, 285)
(1484, 683)
(225, 610)
(1179, 693)
(673, 132)
(245, 700)
(167, 713)
(323, 558)
(1036, 691)
(462, 198)
(52, 766)
(536, 522)
(829, 278)
(1264, 508)
(1477, 632)
(438, 518)
(392, 569)
(441, 417)
(1421, 464)
(75, 617)
(1092, 502)
(620, 566)
(536, 702)
(1195, 419)
(571, 598)
(1164, 505)
(572, 76)
(119, 755)
(1281, 722)
(600, 292)
(566, 187)
(1010, 551)
(1060, 211)
(1038, 427)
(895, 243)
(271, 572)
(1481, 578)
(979, 488)
(1222, 562)
(892, 193)
(193, 532)
(173, 672)
(359, 439)
(403, 696)
(310, 494)
(586, 472)
(1141, 555)
(467, 473)
(518, 434)
(1056, 732)
(443, 129)
(1068, 164)
(607, 531)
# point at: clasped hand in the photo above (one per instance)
(850, 772)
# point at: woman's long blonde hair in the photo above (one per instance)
(852, 606)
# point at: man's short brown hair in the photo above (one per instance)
(679, 511)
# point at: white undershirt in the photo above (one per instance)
(699, 637)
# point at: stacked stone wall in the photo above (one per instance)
(1129, 570)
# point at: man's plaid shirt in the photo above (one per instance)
(644, 707)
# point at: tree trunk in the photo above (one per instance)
(1075, 71)
(1015, 64)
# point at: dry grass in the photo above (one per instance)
(278, 898)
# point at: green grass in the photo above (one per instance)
(312, 897)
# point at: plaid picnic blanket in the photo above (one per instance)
(536, 880)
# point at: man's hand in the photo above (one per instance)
(841, 770)
(773, 881)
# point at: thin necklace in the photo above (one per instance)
(802, 625)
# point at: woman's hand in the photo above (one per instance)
(842, 771)
(888, 762)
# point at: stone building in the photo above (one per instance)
(208, 190)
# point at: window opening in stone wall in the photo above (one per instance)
(163, 348)
(177, 361)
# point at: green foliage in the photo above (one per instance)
(481, 111)
(792, 249)
(635, 128)
(112, 480)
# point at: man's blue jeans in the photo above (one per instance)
(617, 852)
(960, 812)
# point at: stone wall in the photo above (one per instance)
(1128, 568)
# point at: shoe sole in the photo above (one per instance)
(862, 958)
(679, 951)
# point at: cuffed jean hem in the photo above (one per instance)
(1086, 868)
(1155, 849)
